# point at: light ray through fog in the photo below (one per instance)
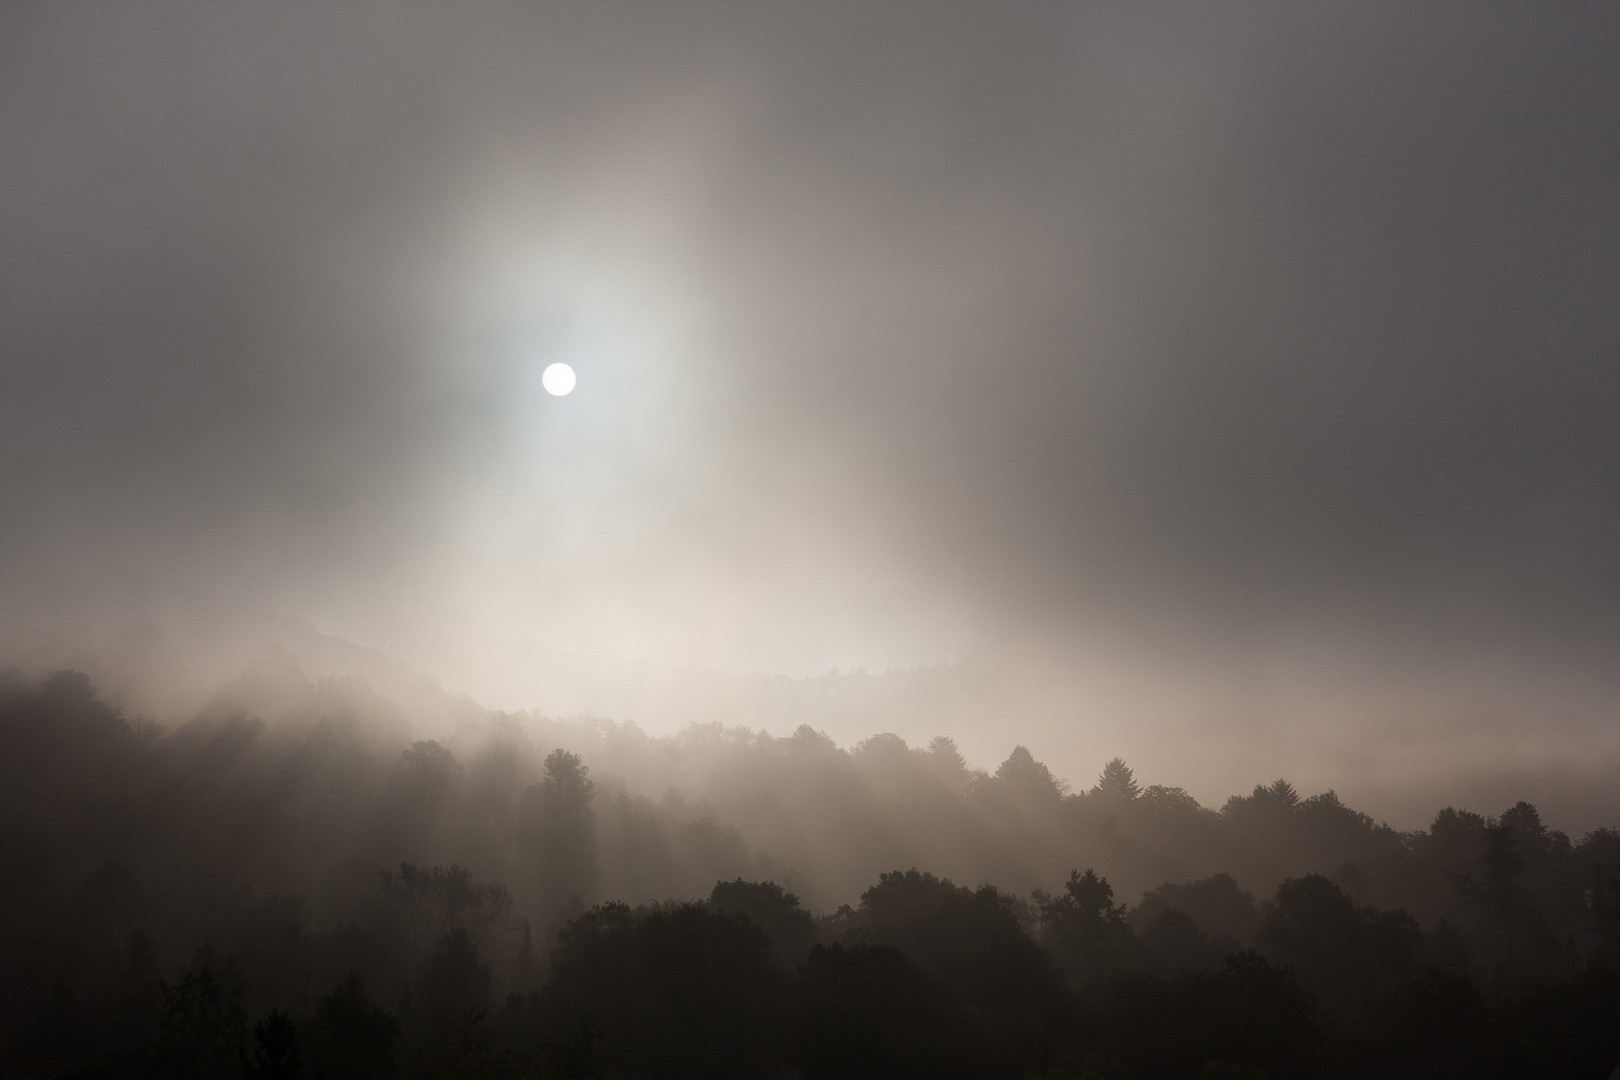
(940, 538)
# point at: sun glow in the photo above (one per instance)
(558, 379)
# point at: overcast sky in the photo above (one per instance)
(1223, 338)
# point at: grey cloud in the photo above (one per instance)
(1218, 329)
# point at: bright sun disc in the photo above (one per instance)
(558, 379)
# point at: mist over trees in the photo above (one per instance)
(328, 895)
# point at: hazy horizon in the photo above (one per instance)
(1231, 389)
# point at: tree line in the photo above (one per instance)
(322, 895)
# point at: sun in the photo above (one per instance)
(558, 379)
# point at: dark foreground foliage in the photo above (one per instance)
(212, 902)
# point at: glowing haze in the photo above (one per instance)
(1229, 387)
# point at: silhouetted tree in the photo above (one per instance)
(791, 929)
(1561, 1027)
(558, 811)
(1220, 908)
(523, 965)
(569, 1055)
(461, 1046)
(1084, 928)
(275, 1049)
(430, 768)
(674, 991)
(864, 1010)
(1605, 907)
(436, 901)
(947, 763)
(456, 981)
(1117, 783)
(971, 940)
(1170, 942)
(137, 995)
(1249, 1017)
(1436, 1024)
(1496, 913)
(1341, 952)
(349, 1036)
(201, 1021)
(1027, 779)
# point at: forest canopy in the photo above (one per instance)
(327, 895)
